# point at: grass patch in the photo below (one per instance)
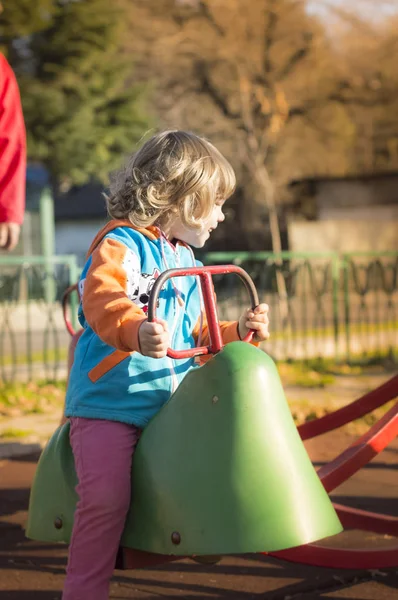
(304, 375)
(358, 365)
(52, 356)
(357, 329)
(15, 433)
(318, 373)
(35, 397)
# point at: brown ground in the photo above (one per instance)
(33, 571)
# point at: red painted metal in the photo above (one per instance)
(364, 405)
(354, 518)
(178, 354)
(205, 275)
(311, 554)
(137, 559)
(361, 451)
(65, 300)
(332, 475)
(340, 558)
(216, 342)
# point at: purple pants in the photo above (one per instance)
(103, 452)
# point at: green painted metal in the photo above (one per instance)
(47, 235)
(220, 470)
(340, 306)
(239, 257)
(53, 497)
(47, 223)
(336, 280)
(370, 254)
(222, 466)
(346, 290)
(230, 257)
(67, 259)
(74, 274)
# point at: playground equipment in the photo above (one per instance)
(221, 469)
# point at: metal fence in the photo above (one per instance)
(33, 338)
(342, 307)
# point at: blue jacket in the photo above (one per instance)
(109, 378)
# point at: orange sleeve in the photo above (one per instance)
(229, 332)
(107, 308)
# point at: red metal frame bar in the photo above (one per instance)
(332, 475)
(216, 343)
(339, 470)
(138, 559)
(361, 451)
(364, 405)
(354, 518)
(65, 299)
(205, 275)
(311, 554)
(339, 558)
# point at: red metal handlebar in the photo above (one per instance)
(206, 281)
(65, 298)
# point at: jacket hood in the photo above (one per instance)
(150, 232)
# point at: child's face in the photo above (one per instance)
(198, 237)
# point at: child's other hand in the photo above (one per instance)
(154, 339)
(257, 320)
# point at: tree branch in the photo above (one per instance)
(199, 10)
(344, 100)
(208, 16)
(295, 59)
(270, 27)
(206, 87)
(361, 101)
(302, 111)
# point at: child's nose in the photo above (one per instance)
(221, 217)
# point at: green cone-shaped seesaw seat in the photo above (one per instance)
(220, 470)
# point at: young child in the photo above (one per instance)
(169, 197)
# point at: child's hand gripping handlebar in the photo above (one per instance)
(206, 281)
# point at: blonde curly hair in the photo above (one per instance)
(175, 173)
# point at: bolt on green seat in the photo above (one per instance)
(221, 469)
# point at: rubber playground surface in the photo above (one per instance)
(34, 571)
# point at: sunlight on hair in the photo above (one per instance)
(173, 173)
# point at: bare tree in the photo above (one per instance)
(247, 68)
(369, 90)
(258, 77)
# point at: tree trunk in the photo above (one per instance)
(266, 184)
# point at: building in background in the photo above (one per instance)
(79, 215)
(344, 214)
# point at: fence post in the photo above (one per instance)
(336, 268)
(73, 278)
(47, 238)
(347, 315)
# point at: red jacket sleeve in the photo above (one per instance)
(12, 148)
